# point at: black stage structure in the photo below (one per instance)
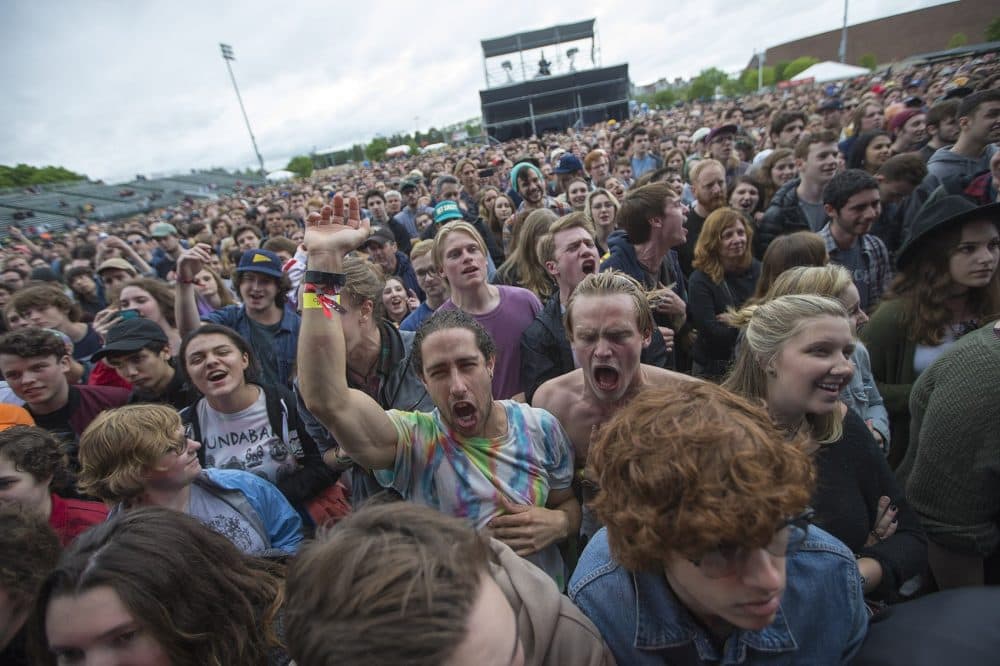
(558, 95)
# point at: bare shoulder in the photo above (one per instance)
(558, 393)
(656, 376)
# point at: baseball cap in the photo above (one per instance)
(130, 335)
(700, 134)
(568, 163)
(119, 263)
(721, 130)
(833, 104)
(163, 229)
(12, 415)
(447, 210)
(407, 185)
(380, 235)
(260, 261)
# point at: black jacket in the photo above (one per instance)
(546, 353)
(782, 217)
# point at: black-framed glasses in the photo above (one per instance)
(727, 559)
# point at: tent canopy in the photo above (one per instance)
(280, 175)
(831, 71)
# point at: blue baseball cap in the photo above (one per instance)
(260, 261)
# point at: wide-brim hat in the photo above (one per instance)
(942, 211)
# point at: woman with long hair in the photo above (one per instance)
(724, 278)
(155, 587)
(777, 169)
(211, 292)
(151, 299)
(396, 303)
(601, 209)
(522, 267)
(674, 159)
(947, 286)
(869, 151)
(501, 213)
(243, 424)
(836, 282)
(796, 357)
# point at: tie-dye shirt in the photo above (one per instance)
(464, 476)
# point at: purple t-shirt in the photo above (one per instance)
(505, 324)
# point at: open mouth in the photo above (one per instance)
(465, 414)
(588, 266)
(216, 375)
(605, 378)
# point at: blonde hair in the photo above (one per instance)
(831, 281)
(121, 445)
(768, 326)
(609, 283)
(547, 243)
(420, 248)
(707, 248)
(451, 228)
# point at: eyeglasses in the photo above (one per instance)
(727, 559)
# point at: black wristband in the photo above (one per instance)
(322, 278)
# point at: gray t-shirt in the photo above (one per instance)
(224, 519)
(244, 441)
(853, 261)
(815, 214)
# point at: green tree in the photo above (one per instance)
(703, 86)
(301, 165)
(868, 61)
(779, 71)
(749, 78)
(798, 66)
(958, 39)
(992, 33)
(375, 150)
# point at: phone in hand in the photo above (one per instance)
(131, 313)
(486, 173)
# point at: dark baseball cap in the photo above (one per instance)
(130, 335)
(260, 261)
(380, 236)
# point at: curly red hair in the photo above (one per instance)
(683, 469)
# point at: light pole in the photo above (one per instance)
(843, 37)
(227, 55)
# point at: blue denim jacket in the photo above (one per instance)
(286, 341)
(822, 618)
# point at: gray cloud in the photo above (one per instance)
(113, 89)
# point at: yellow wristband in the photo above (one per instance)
(310, 301)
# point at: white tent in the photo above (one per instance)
(280, 175)
(831, 71)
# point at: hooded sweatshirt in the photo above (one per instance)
(552, 630)
(945, 163)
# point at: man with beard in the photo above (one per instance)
(378, 212)
(528, 182)
(798, 204)
(609, 325)
(519, 485)
(569, 254)
(942, 127)
(853, 202)
(708, 182)
(382, 250)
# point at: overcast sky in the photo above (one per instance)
(112, 89)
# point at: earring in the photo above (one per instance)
(772, 372)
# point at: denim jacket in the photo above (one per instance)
(822, 618)
(862, 394)
(285, 341)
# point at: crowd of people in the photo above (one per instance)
(712, 384)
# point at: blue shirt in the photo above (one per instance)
(822, 618)
(285, 342)
(416, 318)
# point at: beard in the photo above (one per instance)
(712, 203)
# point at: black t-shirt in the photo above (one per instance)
(87, 345)
(685, 253)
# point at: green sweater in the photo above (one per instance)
(891, 352)
(951, 472)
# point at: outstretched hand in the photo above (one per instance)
(330, 234)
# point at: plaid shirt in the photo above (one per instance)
(874, 256)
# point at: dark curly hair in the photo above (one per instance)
(37, 452)
(684, 468)
(29, 550)
(445, 319)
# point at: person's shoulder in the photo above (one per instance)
(115, 395)
(237, 479)
(830, 551)
(554, 394)
(597, 567)
(228, 313)
(656, 376)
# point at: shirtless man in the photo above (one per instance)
(609, 323)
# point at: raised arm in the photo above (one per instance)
(356, 421)
(189, 264)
